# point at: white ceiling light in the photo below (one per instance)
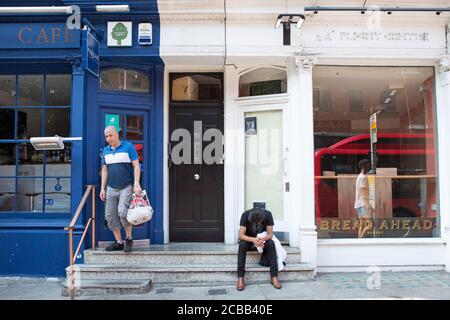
(22, 10)
(113, 8)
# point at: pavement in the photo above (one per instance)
(430, 285)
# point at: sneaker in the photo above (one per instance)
(115, 246)
(128, 245)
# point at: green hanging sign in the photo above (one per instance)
(112, 119)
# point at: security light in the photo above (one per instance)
(287, 19)
(47, 143)
(50, 143)
(112, 8)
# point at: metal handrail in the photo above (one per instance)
(73, 257)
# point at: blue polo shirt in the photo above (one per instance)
(118, 162)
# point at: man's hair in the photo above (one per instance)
(256, 218)
(364, 163)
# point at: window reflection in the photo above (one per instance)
(197, 87)
(135, 128)
(30, 194)
(30, 123)
(7, 194)
(124, 79)
(7, 117)
(57, 122)
(263, 81)
(30, 90)
(7, 90)
(58, 89)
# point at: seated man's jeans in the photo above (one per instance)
(269, 250)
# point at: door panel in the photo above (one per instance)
(196, 190)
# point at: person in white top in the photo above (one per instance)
(362, 204)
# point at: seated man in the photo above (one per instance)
(254, 221)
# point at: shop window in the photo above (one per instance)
(398, 193)
(30, 180)
(7, 90)
(124, 80)
(263, 81)
(196, 87)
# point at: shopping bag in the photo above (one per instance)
(140, 210)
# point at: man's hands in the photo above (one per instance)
(259, 242)
(137, 188)
(102, 195)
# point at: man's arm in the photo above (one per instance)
(244, 237)
(104, 180)
(137, 175)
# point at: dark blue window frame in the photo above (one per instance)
(20, 142)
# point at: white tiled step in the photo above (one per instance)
(185, 273)
(191, 257)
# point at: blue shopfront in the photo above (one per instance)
(55, 80)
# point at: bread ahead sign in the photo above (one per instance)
(120, 34)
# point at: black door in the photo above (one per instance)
(196, 188)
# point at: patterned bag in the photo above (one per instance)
(140, 210)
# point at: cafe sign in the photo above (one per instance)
(120, 34)
(38, 36)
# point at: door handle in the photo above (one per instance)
(196, 176)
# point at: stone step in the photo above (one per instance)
(191, 257)
(208, 274)
(107, 287)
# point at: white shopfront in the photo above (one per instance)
(240, 41)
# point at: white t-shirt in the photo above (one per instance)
(361, 182)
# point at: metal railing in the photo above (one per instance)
(73, 257)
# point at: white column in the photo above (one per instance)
(443, 139)
(301, 157)
(231, 163)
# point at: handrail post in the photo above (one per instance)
(71, 280)
(93, 218)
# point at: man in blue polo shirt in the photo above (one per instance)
(120, 177)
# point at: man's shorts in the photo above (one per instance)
(116, 207)
(362, 212)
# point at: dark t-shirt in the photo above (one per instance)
(251, 231)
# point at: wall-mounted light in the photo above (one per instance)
(287, 20)
(112, 8)
(51, 143)
(41, 10)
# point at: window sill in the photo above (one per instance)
(379, 241)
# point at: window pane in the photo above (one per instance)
(30, 123)
(30, 161)
(112, 79)
(263, 81)
(135, 128)
(58, 162)
(7, 90)
(197, 88)
(7, 123)
(57, 121)
(397, 197)
(58, 89)
(57, 195)
(30, 90)
(136, 81)
(7, 159)
(7, 194)
(264, 163)
(30, 193)
(123, 79)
